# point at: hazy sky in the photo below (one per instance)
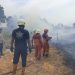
(55, 11)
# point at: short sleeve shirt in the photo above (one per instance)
(20, 36)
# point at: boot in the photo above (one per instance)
(14, 69)
(23, 71)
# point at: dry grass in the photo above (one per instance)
(53, 65)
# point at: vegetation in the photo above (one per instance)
(2, 15)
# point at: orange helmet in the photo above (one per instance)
(45, 30)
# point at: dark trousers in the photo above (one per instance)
(17, 54)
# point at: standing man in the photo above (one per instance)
(1, 42)
(20, 39)
(46, 38)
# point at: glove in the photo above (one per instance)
(11, 49)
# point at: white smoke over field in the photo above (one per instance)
(59, 33)
(32, 23)
(63, 35)
(66, 40)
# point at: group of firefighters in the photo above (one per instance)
(21, 41)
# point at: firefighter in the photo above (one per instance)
(46, 38)
(37, 44)
(1, 42)
(20, 39)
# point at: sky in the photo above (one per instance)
(55, 11)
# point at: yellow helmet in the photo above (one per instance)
(21, 22)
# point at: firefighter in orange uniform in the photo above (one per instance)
(36, 39)
(46, 38)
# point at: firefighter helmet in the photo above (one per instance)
(21, 22)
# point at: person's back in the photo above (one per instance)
(45, 37)
(37, 39)
(20, 35)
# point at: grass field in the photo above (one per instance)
(53, 65)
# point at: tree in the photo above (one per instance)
(2, 15)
